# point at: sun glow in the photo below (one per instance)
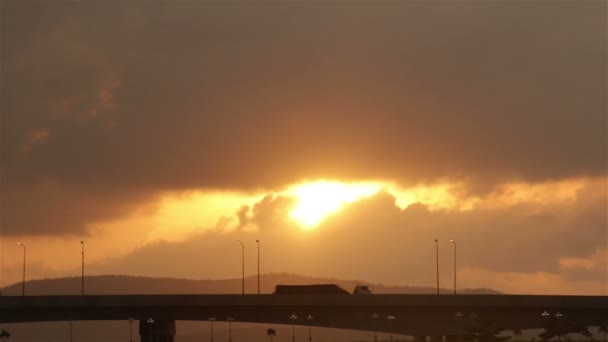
(318, 199)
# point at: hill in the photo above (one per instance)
(121, 284)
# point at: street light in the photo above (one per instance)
(211, 319)
(437, 250)
(130, 329)
(390, 326)
(243, 262)
(309, 319)
(150, 321)
(71, 324)
(230, 319)
(258, 242)
(375, 318)
(23, 283)
(82, 277)
(558, 316)
(459, 316)
(293, 318)
(454, 243)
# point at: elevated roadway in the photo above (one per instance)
(414, 314)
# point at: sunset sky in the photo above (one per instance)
(346, 136)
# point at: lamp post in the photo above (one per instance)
(130, 329)
(242, 263)
(375, 318)
(230, 319)
(82, 273)
(258, 242)
(437, 258)
(150, 321)
(558, 316)
(459, 316)
(546, 319)
(71, 324)
(454, 243)
(23, 282)
(293, 318)
(390, 326)
(211, 319)
(309, 319)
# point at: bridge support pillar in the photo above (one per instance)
(157, 331)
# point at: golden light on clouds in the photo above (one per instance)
(181, 215)
(316, 200)
(442, 196)
(541, 193)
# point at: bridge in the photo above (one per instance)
(417, 315)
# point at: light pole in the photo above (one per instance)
(546, 316)
(390, 326)
(211, 319)
(82, 263)
(375, 318)
(242, 263)
(230, 319)
(150, 321)
(459, 323)
(293, 318)
(309, 319)
(23, 283)
(454, 243)
(558, 317)
(437, 258)
(71, 324)
(130, 329)
(258, 242)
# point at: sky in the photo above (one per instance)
(345, 136)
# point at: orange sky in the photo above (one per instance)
(345, 136)
(361, 224)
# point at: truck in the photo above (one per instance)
(362, 289)
(319, 289)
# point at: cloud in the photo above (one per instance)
(374, 240)
(49, 208)
(270, 212)
(586, 267)
(143, 99)
(34, 138)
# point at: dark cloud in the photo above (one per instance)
(49, 208)
(144, 98)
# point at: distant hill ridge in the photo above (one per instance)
(122, 284)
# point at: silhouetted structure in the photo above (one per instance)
(310, 289)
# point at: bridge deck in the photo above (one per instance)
(415, 314)
(390, 300)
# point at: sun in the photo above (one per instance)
(316, 200)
